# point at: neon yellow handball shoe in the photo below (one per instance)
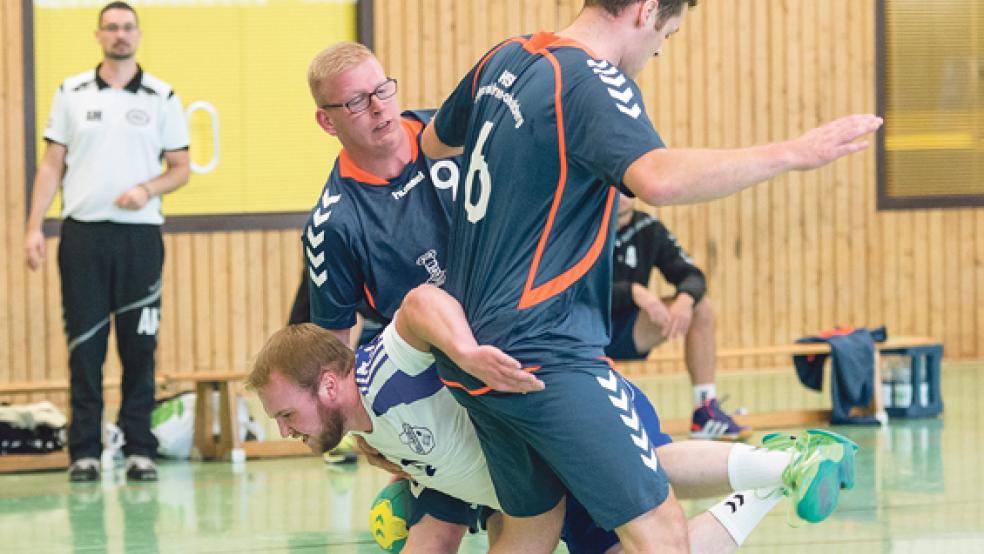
(822, 465)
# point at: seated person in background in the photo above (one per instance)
(643, 242)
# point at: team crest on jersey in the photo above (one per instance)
(419, 439)
(138, 117)
(428, 260)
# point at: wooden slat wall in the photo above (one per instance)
(800, 254)
(797, 255)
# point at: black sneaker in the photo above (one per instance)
(140, 468)
(83, 469)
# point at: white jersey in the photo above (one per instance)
(417, 424)
(114, 140)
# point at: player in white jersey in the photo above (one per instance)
(389, 394)
(416, 422)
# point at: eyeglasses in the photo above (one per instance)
(360, 102)
(112, 27)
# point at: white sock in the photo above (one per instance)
(741, 512)
(703, 393)
(756, 468)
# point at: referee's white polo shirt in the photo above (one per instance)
(115, 139)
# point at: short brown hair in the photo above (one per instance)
(118, 6)
(667, 8)
(300, 353)
(331, 61)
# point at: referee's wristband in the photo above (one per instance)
(147, 190)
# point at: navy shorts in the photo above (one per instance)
(580, 533)
(448, 509)
(623, 346)
(581, 434)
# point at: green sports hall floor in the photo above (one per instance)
(919, 490)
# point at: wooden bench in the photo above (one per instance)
(799, 418)
(208, 446)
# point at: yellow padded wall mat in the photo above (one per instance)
(241, 66)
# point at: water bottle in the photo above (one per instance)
(113, 442)
(923, 385)
(888, 379)
(902, 397)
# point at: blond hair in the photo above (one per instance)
(332, 61)
(301, 353)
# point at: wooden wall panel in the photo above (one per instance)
(791, 257)
(802, 253)
(8, 196)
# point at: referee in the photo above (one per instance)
(109, 130)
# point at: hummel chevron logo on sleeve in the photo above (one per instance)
(316, 260)
(617, 81)
(624, 96)
(327, 200)
(632, 112)
(318, 278)
(611, 76)
(319, 218)
(313, 239)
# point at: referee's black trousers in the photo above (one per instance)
(111, 269)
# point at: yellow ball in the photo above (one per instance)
(388, 516)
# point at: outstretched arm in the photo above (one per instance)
(691, 175)
(431, 317)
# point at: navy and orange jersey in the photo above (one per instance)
(548, 131)
(370, 240)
